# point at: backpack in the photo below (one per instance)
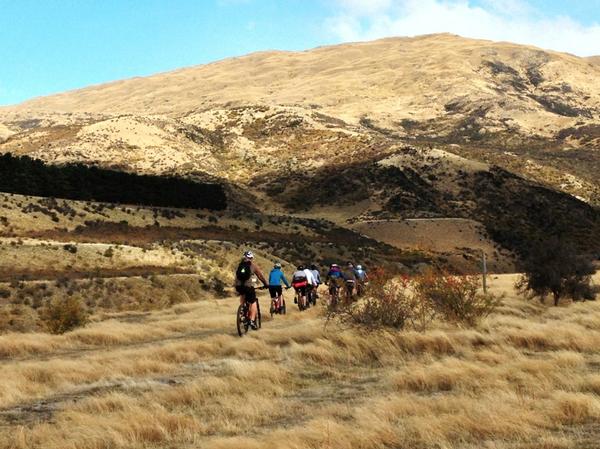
(244, 271)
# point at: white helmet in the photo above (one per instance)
(248, 255)
(359, 267)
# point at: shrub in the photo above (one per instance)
(70, 248)
(388, 303)
(219, 287)
(455, 299)
(63, 315)
(554, 267)
(416, 302)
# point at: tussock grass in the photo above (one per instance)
(526, 378)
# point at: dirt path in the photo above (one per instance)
(314, 388)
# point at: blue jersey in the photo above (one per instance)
(276, 277)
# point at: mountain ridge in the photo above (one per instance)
(451, 114)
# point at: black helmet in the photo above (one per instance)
(300, 267)
(313, 266)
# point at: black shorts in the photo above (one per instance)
(249, 293)
(275, 291)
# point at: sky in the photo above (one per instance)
(50, 46)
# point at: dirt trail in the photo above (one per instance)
(35, 412)
(316, 389)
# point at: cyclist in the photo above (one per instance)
(276, 277)
(300, 282)
(333, 280)
(245, 279)
(350, 280)
(361, 278)
(317, 276)
(312, 284)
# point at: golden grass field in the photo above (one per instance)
(528, 377)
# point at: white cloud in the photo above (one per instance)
(501, 20)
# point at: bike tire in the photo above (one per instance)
(283, 308)
(242, 325)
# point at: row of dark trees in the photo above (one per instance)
(26, 176)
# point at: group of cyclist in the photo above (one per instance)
(305, 280)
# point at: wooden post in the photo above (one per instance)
(484, 273)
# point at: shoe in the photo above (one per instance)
(253, 325)
(295, 300)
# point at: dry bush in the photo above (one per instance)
(17, 318)
(389, 302)
(416, 302)
(63, 315)
(456, 299)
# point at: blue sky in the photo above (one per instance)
(49, 46)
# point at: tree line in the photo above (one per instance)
(27, 176)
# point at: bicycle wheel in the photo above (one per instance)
(241, 322)
(334, 298)
(282, 306)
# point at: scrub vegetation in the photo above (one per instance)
(526, 376)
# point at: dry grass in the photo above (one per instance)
(527, 377)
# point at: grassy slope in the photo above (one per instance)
(180, 378)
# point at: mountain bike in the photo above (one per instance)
(311, 295)
(303, 304)
(334, 295)
(350, 284)
(360, 288)
(278, 306)
(243, 317)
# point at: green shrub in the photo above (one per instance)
(554, 267)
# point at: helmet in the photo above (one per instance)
(359, 267)
(350, 264)
(313, 266)
(300, 267)
(277, 265)
(248, 255)
(334, 265)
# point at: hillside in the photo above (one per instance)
(429, 127)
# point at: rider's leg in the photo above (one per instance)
(253, 311)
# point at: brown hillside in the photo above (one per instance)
(391, 129)
(388, 80)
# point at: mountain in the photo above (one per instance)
(430, 128)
